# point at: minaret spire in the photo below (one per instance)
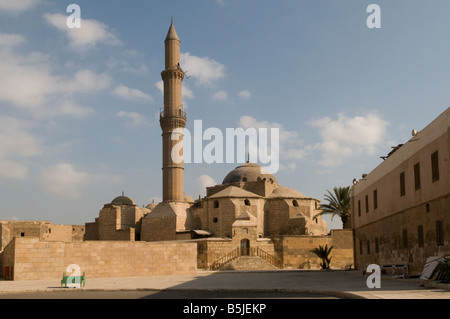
(172, 119)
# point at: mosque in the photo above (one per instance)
(249, 221)
(249, 192)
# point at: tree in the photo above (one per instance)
(324, 254)
(338, 204)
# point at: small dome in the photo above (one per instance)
(249, 172)
(151, 206)
(285, 192)
(123, 200)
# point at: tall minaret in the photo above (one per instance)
(172, 118)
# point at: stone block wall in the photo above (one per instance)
(296, 250)
(408, 237)
(32, 259)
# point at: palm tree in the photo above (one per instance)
(338, 204)
(324, 254)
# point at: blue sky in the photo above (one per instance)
(78, 110)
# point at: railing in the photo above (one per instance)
(253, 252)
(226, 259)
(181, 113)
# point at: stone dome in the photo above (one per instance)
(285, 192)
(123, 200)
(151, 205)
(249, 172)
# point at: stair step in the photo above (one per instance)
(248, 263)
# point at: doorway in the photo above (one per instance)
(245, 247)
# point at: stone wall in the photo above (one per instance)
(296, 250)
(280, 218)
(408, 237)
(32, 259)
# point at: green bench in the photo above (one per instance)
(67, 280)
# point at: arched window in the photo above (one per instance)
(247, 202)
(216, 204)
(295, 203)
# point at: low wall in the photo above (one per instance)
(296, 250)
(31, 259)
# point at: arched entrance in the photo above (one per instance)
(245, 247)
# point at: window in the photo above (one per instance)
(417, 176)
(368, 247)
(215, 220)
(375, 199)
(377, 247)
(244, 179)
(247, 202)
(435, 166)
(22, 234)
(216, 204)
(367, 203)
(405, 238)
(360, 247)
(439, 233)
(359, 208)
(402, 184)
(420, 238)
(295, 203)
(245, 231)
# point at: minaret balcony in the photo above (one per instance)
(177, 113)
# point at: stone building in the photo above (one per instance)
(118, 220)
(401, 210)
(44, 230)
(247, 190)
(249, 221)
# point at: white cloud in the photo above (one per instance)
(220, 3)
(286, 137)
(135, 119)
(341, 139)
(114, 64)
(245, 94)
(289, 141)
(220, 96)
(17, 5)
(62, 179)
(29, 83)
(16, 147)
(11, 40)
(131, 94)
(87, 37)
(204, 70)
(86, 81)
(348, 137)
(204, 181)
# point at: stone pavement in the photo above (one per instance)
(346, 284)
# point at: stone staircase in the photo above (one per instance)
(247, 263)
(246, 259)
